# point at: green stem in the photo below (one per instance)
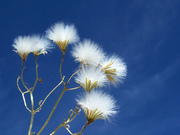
(73, 75)
(52, 111)
(31, 95)
(32, 113)
(24, 99)
(61, 67)
(76, 111)
(22, 77)
(69, 131)
(75, 88)
(48, 96)
(87, 123)
(37, 78)
(56, 129)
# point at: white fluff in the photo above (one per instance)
(88, 53)
(42, 45)
(103, 102)
(28, 44)
(119, 65)
(93, 74)
(24, 44)
(62, 32)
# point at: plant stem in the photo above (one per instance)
(56, 129)
(24, 99)
(87, 123)
(48, 95)
(52, 111)
(75, 88)
(31, 95)
(73, 75)
(64, 124)
(37, 78)
(61, 67)
(22, 77)
(32, 113)
(69, 131)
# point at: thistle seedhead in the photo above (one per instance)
(97, 105)
(114, 68)
(62, 34)
(88, 53)
(23, 45)
(91, 77)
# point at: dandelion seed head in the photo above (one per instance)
(88, 53)
(61, 32)
(94, 74)
(42, 45)
(23, 45)
(114, 67)
(102, 104)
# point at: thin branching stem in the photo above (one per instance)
(48, 95)
(64, 124)
(32, 99)
(25, 92)
(87, 123)
(37, 78)
(69, 131)
(61, 67)
(75, 88)
(73, 75)
(73, 117)
(75, 110)
(62, 93)
(56, 129)
(22, 77)
(24, 99)
(18, 85)
(32, 113)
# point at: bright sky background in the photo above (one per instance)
(145, 33)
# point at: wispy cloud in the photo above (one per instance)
(152, 87)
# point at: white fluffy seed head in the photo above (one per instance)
(114, 68)
(23, 45)
(97, 105)
(91, 77)
(60, 32)
(88, 53)
(42, 45)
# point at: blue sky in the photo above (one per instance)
(144, 33)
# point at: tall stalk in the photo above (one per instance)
(32, 113)
(62, 93)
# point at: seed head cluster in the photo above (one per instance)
(23, 45)
(96, 68)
